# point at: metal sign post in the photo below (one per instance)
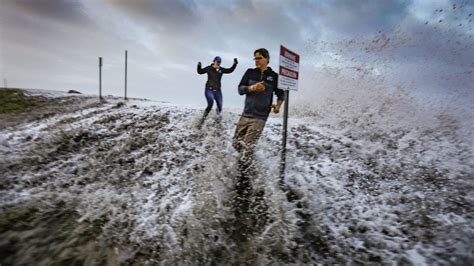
(285, 126)
(126, 55)
(287, 80)
(100, 78)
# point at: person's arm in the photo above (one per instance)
(201, 70)
(280, 96)
(231, 69)
(244, 84)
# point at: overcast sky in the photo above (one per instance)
(55, 44)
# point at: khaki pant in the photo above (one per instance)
(247, 133)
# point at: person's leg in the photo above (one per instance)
(218, 97)
(253, 133)
(210, 99)
(243, 186)
(247, 168)
(240, 131)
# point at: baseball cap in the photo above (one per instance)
(218, 59)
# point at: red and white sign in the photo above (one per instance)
(289, 67)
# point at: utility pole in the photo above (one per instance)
(126, 55)
(100, 78)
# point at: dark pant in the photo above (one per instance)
(212, 95)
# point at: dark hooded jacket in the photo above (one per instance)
(259, 104)
(214, 76)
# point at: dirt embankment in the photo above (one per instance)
(19, 106)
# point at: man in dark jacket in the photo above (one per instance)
(213, 84)
(258, 85)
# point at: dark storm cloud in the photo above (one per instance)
(166, 39)
(361, 16)
(55, 46)
(432, 47)
(176, 14)
(240, 25)
(61, 10)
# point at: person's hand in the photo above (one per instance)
(199, 64)
(276, 107)
(257, 87)
(235, 61)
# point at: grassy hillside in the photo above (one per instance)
(14, 100)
